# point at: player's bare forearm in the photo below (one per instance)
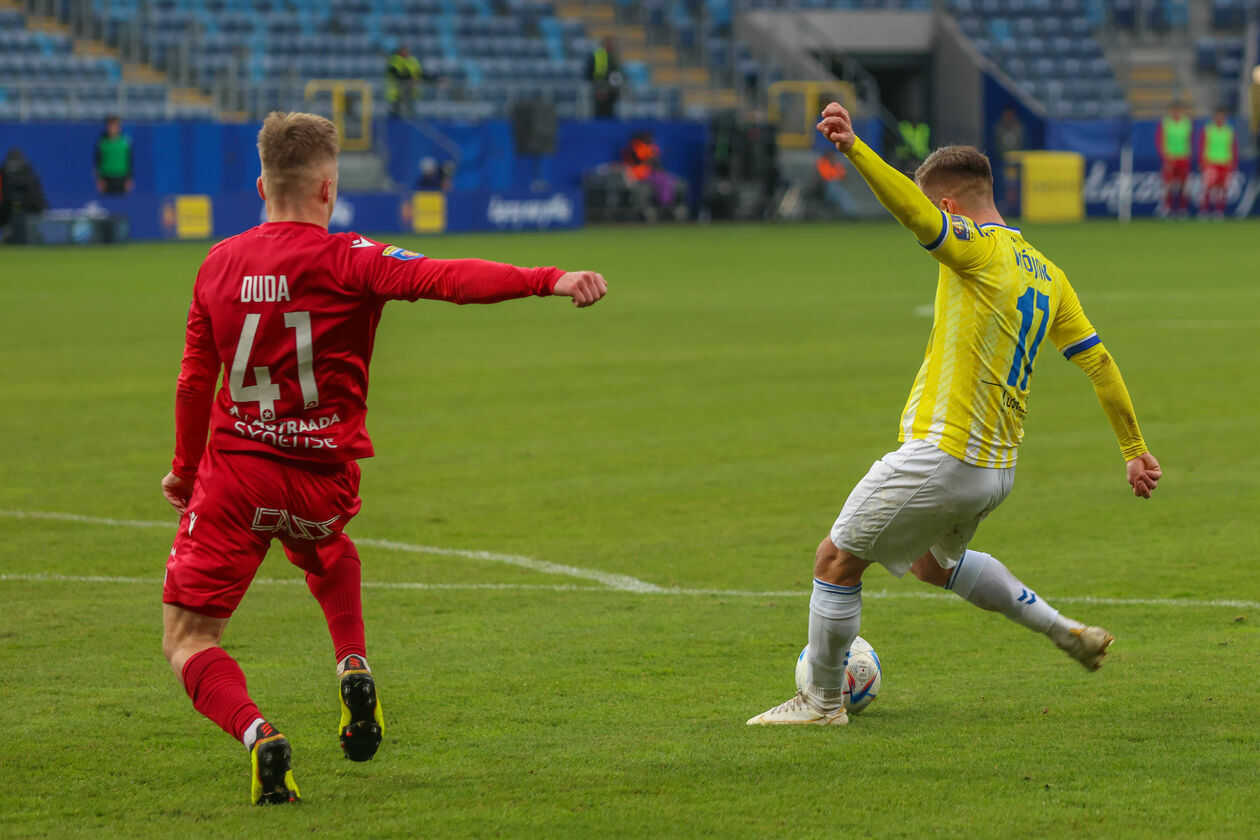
(895, 191)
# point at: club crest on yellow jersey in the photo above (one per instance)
(960, 227)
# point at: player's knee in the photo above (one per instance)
(928, 570)
(834, 565)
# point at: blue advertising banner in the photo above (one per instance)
(1102, 188)
(219, 216)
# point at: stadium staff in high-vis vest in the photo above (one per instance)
(288, 312)
(603, 70)
(1172, 138)
(917, 509)
(403, 75)
(113, 160)
(1218, 158)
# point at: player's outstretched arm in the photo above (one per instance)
(895, 191)
(395, 274)
(585, 287)
(1141, 467)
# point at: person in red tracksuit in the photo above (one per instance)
(1218, 158)
(1173, 138)
(290, 312)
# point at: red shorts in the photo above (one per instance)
(239, 504)
(1216, 176)
(1175, 170)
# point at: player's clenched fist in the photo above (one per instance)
(1144, 473)
(585, 287)
(837, 126)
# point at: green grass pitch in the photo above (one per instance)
(697, 430)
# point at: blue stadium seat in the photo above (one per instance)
(1124, 14)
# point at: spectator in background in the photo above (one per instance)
(1008, 137)
(1172, 139)
(21, 195)
(1218, 158)
(434, 177)
(603, 69)
(642, 160)
(915, 143)
(831, 173)
(112, 162)
(403, 75)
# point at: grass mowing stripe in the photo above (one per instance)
(879, 595)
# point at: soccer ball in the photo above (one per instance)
(862, 676)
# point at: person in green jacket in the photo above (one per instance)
(112, 162)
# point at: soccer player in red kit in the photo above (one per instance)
(290, 311)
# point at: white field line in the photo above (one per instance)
(612, 582)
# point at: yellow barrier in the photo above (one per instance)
(1052, 186)
(428, 212)
(794, 108)
(337, 88)
(188, 216)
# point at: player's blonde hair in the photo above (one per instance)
(959, 172)
(292, 146)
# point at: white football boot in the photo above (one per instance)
(1087, 645)
(800, 712)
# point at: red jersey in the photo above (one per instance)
(290, 311)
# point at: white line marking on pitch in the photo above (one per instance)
(612, 582)
(880, 595)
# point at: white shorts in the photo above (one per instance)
(915, 499)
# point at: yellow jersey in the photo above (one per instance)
(998, 299)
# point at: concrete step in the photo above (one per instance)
(682, 76)
(143, 74)
(623, 36)
(190, 96)
(1151, 74)
(95, 49)
(1148, 95)
(361, 171)
(47, 24)
(712, 98)
(582, 11)
(649, 54)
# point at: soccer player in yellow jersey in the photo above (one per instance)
(997, 299)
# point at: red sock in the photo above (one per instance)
(338, 592)
(216, 685)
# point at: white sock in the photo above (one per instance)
(981, 579)
(341, 666)
(251, 735)
(835, 613)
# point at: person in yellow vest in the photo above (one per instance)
(604, 72)
(1172, 138)
(916, 143)
(403, 75)
(1218, 158)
